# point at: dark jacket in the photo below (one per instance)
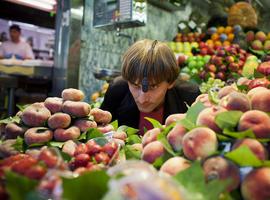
(119, 101)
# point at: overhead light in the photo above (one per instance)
(46, 5)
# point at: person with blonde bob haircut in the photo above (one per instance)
(149, 87)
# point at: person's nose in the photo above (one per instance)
(143, 97)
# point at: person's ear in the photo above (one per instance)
(171, 85)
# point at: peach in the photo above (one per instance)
(236, 101)
(257, 121)
(7, 148)
(38, 135)
(261, 100)
(199, 143)
(54, 104)
(120, 135)
(35, 115)
(256, 184)
(105, 129)
(203, 98)
(243, 81)
(72, 94)
(225, 91)
(153, 151)
(63, 135)
(220, 168)
(84, 124)
(33, 152)
(175, 165)
(119, 142)
(175, 136)
(59, 120)
(255, 90)
(207, 117)
(13, 130)
(174, 117)
(254, 145)
(69, 147)
(76, 109)
(150, 136)
(101, 116)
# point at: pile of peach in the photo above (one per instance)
(59, 119)
(201, 143)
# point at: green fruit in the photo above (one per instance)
(206, 58)
(192, 64)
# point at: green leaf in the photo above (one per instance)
(82, 136)
(193, 112)
(155, 123)
(22, 107)
(163, 139)
(19, 145)
(8, 120)
(187, 124)
(242, 87)
(128, 130)
(213, 97)
(65, 156)
(239, 135)
(37, 145)
(101, 140)
(159, 161)
(167, 129)
(19, 187)
(132, 153)
(258, 74)
(223, 138)
(133, 139)
(243, 156)
(56, 144)
(92, 185)
(193, 180)
(93, 133)
(228, 119)
(114, 124)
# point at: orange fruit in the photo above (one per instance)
(228, 29)
(218, 43)
(230, 37)
(220, 29)
(226, 43)
(215, 36)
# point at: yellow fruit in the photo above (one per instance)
(105, 86)
(94, 96)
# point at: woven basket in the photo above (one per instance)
(243, 14)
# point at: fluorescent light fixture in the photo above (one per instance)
(46, 5)
(77, 12)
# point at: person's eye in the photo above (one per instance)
(153, 87)
(136, 86)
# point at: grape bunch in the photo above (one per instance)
(211, 85)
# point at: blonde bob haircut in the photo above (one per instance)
(149, 59)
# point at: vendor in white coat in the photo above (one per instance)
(16, 47)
